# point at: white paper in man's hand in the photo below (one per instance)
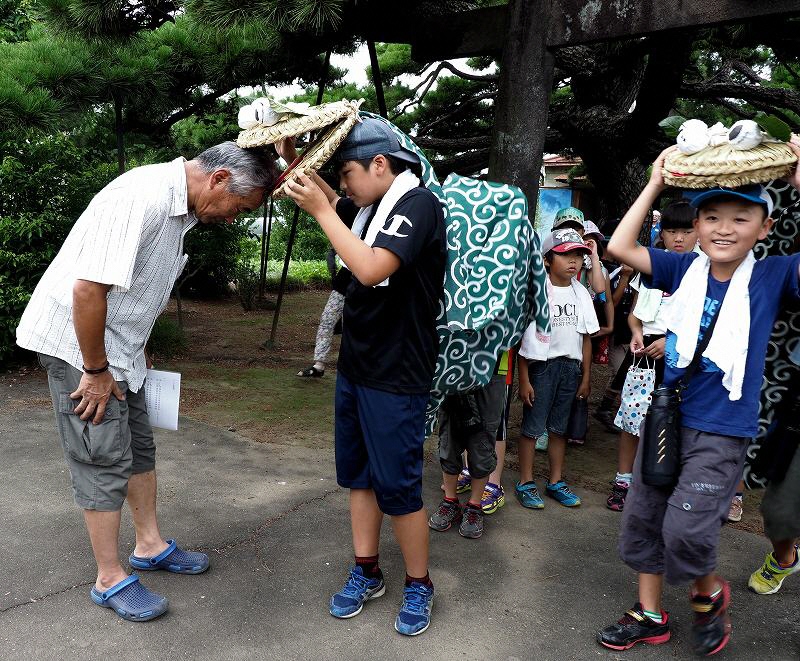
(162, 393)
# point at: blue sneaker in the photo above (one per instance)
(349, 601)
(415, 613)
(563, 494)
(528, 496)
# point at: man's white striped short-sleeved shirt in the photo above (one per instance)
(130, 237)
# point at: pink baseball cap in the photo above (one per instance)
(563, 240)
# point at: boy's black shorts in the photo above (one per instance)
(379, 444)
(479, 446)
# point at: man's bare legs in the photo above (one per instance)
(103, 530)
(142, 501)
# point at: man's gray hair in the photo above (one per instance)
(250, 168)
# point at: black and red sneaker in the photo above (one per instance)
(711, 629)
(634, 627)
(619, 492)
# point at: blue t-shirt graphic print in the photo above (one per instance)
(706, 405)
(710, 308)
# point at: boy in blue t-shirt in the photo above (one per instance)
(674, 533)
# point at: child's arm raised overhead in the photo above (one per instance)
(370, 265)
(623, 244)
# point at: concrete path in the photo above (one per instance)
(536, 586)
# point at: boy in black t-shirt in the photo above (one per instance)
(387, 356)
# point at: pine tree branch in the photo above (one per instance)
(430, 79)
(747, 72)
(466, 163)
(774, 97)
(459, 110)
(736, 110)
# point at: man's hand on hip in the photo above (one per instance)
(94, 391)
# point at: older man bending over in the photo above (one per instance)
(89, 320)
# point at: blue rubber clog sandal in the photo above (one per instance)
(174, 560)
(131, 600)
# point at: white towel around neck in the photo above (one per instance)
(727, 348)
(536, 345)
(403, 182)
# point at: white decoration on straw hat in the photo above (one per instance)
(718, 156)
(265, 111)
(718, 135)
(745, 134)
(693, 136)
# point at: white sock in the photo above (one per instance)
(626, 478)
(320, 366)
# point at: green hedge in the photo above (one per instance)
(46, 182)
(302, 274)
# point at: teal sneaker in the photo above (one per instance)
(528, 496)
(563, 494)
(415, 613)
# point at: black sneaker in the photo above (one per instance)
(619, 492)
(472, 523)
(711, 629)
(445, 516)
(634, 627)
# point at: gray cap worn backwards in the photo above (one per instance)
(371, 137)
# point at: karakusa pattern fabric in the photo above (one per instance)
(495, 280)
(494, 287)
(784, 239)
(637, 393)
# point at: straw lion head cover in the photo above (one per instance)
(730, 157)
(265, 122)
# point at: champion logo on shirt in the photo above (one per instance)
(397, 222)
